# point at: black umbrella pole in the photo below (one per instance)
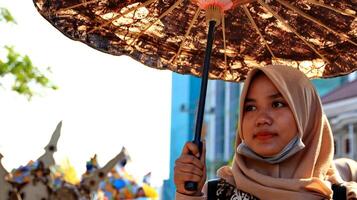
(192, 186)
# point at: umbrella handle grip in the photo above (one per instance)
(190, 185)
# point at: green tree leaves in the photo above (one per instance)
(25, 75)
(6, 15)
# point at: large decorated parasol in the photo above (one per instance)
(319, 37)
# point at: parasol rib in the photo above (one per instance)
(278, 17)
(177, 3)
(173, 60)
(331, 8)
(77, 5)
(224, 42)
(310, 71)
(300, 12)
(257, 29)
(148, 2)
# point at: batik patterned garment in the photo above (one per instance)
(226, 191)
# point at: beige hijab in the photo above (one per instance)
(347, 168)
(307, 175)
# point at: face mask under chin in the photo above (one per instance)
(294, 146)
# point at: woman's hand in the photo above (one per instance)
(189, 168)
(351, 188)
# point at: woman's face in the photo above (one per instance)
(268, 123)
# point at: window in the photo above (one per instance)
(347, 145)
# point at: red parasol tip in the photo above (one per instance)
(222, 4)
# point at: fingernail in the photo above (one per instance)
(197, 155)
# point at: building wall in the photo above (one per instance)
(346, 142)
(185, 94)
(344, 128)
(221, 119)
(342, 116)
(233, 112)
(325, 86)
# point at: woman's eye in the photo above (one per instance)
(248, 108)
(278, 104)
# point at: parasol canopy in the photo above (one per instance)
(319, 37)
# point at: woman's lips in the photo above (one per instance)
(264, 135)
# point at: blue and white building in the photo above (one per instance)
(185, 94)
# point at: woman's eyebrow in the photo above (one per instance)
(275, 96)
(247, 100)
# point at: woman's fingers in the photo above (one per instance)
(189, 159)
(183, 176)
(351, 188)
(188, 168)
(191, 148)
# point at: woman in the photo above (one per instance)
(284, 144)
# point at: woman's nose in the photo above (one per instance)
(264, 118)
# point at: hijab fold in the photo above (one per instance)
(309, 173)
